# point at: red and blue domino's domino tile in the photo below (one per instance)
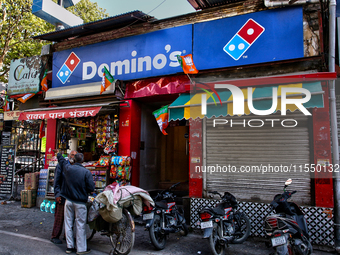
(243, 39)
(68, 67)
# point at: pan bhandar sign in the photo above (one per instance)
(24, 75)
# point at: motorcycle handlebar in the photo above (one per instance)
(215, 193)
(173, 186)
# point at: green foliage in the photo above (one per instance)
(18, 25)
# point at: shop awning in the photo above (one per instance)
(189, 105)
(157, 86)
(60, 113)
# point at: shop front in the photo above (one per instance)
(90, 129)
(164, 158)
(251, 155)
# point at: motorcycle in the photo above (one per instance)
(223, 224)
(287, 228)
(164, 218)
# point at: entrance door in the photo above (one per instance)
(175, 156)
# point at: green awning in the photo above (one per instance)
(189, 105)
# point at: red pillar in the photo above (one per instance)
(129, 136)
(51, 134)
(195, 158)
(322, 153)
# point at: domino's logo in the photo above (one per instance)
(243, 39)
(68, 67)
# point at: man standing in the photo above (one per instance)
(60, 201)
(78, 183)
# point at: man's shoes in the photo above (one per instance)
(84, 252)
(56, 241)
(70, 250)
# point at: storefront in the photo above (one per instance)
(249, 155)
(272, 43)
(90, 129)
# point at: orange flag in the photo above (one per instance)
(107, 80)
(43, 83)
(187, 64)
(24, 98)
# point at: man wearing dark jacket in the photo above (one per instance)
(78, 183)
(60, 202)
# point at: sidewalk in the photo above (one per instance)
(33, 228)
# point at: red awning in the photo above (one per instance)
(157, 86)
(49, 113)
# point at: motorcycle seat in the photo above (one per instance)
(218, 211)
(162, 204)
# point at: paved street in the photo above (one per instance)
(28, 230)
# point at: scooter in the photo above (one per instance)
(287, 228)
(223, 224)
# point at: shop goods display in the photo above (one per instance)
(52, 208)
(31, 181)
(28, 198)
(48, 206)
(104, 129)
(42, 206)
(42, 182)
(120, 169)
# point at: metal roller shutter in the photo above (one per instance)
(259, 147)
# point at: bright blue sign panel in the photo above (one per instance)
(259, 37)
(134, 57)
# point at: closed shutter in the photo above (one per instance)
(259, 147)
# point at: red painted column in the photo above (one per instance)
(51, 134)
(322, 153)
(195, 158)
(129, 136)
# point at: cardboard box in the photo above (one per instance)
(31, 181)
(28, 198)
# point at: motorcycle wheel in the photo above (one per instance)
(185, 230)
(215, 246)
(242, 228)
(122, 236)
(157, 238)
(89, 232)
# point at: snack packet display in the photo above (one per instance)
(103, 161)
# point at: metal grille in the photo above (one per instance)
(319, 220)
(25, 134)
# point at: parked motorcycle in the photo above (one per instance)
(223, 224)
(164, 218)
(287, 228)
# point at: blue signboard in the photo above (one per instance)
(259, 37)
(141, 56)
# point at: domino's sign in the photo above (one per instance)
(147, 55)
(266, 36)
(259, 37)
(68, 67)
(243, 39)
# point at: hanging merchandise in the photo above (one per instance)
(103, 161)
(103, 130)
(121, 169)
